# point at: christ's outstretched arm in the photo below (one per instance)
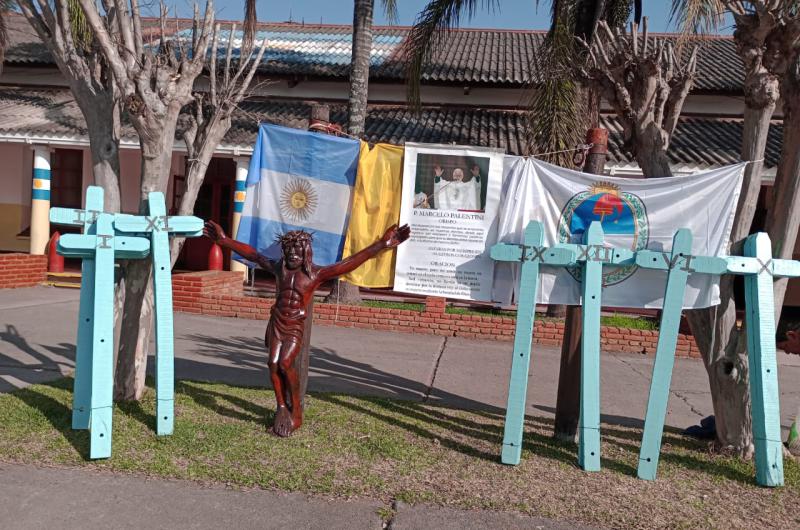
(215, 232)
(393, 237)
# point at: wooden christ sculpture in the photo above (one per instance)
(296, 280)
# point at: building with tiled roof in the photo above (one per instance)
(473, 93)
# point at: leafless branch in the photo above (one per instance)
(645, 84)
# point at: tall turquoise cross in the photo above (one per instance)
(592, 255)
(158, 226)
(94, 363)
(150, 232)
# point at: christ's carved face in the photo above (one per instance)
(293, 254)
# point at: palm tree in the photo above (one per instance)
(559, 113)
(343, 291)
(558, 106)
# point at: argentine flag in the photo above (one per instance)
(299, 180)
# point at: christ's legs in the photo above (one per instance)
(282, 414)
(291, 382)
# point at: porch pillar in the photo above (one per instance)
(40, 200)
(238, 204)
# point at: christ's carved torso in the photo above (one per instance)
(294, 291)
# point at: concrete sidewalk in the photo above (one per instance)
(43, 498)
(37, 344)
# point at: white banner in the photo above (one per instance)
(450, 199)
(635, 213)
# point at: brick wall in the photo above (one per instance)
(22, 270)
(220, 293)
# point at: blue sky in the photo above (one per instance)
(512, 14)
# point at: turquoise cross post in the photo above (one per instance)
(158, 226)
(83, 355)
(101, 245)
(531, 256)
(592, 286)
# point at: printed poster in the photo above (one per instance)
(450, 199)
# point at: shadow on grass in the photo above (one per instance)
(401, 404)
(58, 414)
(219, 402)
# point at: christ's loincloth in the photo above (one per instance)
(283, 327)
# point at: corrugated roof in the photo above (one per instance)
(697, 141)
(469, 56)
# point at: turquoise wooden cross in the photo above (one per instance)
(150, 232)
(100, 245)
(532, 256)
(83, 354)
(158, 226)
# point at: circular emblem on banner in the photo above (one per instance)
(622, 215)
(298, 200)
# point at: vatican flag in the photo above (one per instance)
(376, 207)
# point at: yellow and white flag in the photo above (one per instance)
(376, 207)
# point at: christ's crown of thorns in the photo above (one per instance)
(294, 236)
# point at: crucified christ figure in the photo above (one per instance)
(296, 280)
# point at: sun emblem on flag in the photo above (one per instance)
(622, 215)
(298, 200)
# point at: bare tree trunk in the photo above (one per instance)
(783, 221)
(137, 314)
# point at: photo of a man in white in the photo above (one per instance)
(456, 194)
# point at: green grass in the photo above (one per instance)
(624, 321)
(394, 305)
(385, 449)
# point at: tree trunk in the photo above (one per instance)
(784, 217)
(157, 139)
(721, 343)
(135, 329)
(359, 67)
(344, 292)
(101, 116)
